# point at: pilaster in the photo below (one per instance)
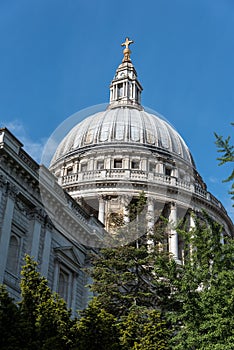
(46, 251)
(6, 228)
(36, 224)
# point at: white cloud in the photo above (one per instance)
(33, 148)
(214, 180)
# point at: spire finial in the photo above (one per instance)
(127, 51)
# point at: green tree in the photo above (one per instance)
(204, 289)
(121, 278)
(9, 322)
(127, 274)
(96, 329)
(143, 329)
(227, 151)
(45, 320)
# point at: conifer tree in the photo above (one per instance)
(96, 329)
(143, 329)
(9, 322)
(135, 273)
(45, 320)
(121, 278)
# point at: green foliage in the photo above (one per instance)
(133, 274)
(143, 329)
(204, 290)
(97, 329)
(227, 149)
(129, 282)
(9, 321)
(40, 321)
(121, 278)
(44, 316)
(136, 206)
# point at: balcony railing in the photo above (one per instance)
(138, 175)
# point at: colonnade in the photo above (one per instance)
(172, 215)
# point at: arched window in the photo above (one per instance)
(13, 254)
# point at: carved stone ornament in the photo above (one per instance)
(38, 214)
(3, 181)
(12, 190)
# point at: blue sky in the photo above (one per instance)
(58, 57)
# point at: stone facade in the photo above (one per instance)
(27, 228)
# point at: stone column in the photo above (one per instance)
(125, 89)
(91, 164)
(222, 241)
(191, 222)
(101, 210)
(126, 164)
(144, 164)
(46, 252)
(76, 166)
(160, 168)
(191, 227)
(108, 162)
(134, 91)
(150, 221)
(175, 172)
(6, 229)
(125, 202)
(173, 235)
(63, 170)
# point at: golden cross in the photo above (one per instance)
(127, 43)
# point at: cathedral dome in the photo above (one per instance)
(124, 125)
(106, 160)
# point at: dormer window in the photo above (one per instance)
(167, 171)
(118, 163)
(135, 164)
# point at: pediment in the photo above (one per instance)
(69, 254)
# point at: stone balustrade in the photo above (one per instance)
(134, 174)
